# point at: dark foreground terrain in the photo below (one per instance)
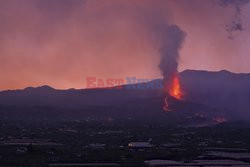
(44, 126)
(111, 142)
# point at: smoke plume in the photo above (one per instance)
(172, 40)
(61, 42)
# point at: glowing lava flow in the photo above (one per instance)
(175, 89)
(166, 106)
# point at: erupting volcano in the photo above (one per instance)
(172, 40)
(172, 89)
(175, 89)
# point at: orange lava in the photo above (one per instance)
(175, 89)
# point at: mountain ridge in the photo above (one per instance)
(223, 91)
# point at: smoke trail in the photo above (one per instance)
(172, 40)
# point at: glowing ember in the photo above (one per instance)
(175, 89)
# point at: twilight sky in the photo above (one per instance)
(61, 42)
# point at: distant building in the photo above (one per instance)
(139, 145)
